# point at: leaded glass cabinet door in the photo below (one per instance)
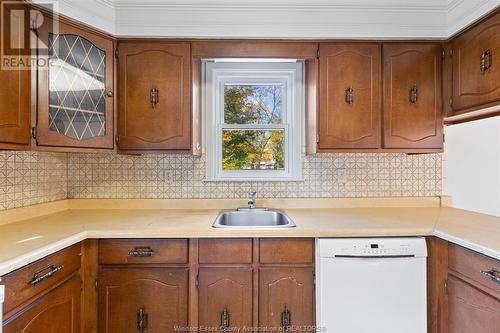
(75, 93)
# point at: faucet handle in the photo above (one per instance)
(252, 194)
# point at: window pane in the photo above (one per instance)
(253, 150)
(253, 104)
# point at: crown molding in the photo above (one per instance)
(284, 19)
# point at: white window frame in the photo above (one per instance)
(217, 73)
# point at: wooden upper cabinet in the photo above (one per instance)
(475, 77)
(413, 96)
(154, 96)
(15, 94)
(153, 299)
(75, 88)
(286, 297)
(349, 96)
(55, 312)
(225, 297)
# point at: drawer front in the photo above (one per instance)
(143, 251)
(472, 264)
(42, 275)
(286, 251)
(225, 251)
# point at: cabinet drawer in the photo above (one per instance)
(286, 251)
(225, 251)
(471, 264)
(27, 282)
(143, 251)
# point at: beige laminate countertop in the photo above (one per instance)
(25, 241)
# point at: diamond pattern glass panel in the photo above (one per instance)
(77, 76)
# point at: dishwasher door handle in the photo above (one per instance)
(374, 257)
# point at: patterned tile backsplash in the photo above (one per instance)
(27, 178)
(326, 175)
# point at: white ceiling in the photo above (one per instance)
(387, 19)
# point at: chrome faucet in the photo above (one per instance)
(251, 200)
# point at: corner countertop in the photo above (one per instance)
(48, 231)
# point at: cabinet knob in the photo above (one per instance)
(141, 252)
(349, 95)
(154, 97)
(142, 321)
(286, 319)
(224, 320)
(493, 274)
(414, 94)
(485, 61)
(109, 94)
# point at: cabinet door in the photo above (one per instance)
(56, 312)
(152, 299)
(225, 298)
(75, 88)
(349, 111)
(286, 298)
(413, 96)
(476, 67)
(15, 93)
(155, 96)
(470, 310)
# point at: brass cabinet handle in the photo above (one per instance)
(154, 97)
(485, 60)
(224, 320)
(38, 277)
(142, 321)
(493, 274)
(414, 94)
(349, 95)
(141, 252)
(286, 319)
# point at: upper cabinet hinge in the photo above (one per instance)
(444, 138)
(443, 54)
(317, 138)
(445, 286)
(450, 101)
(451, 53)
(317, 53)
(96, 284)
(117, 53)
(197, 281)
(116, 139)
(33, 133)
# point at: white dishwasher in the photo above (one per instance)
(371, 285)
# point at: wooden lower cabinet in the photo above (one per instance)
(225, 298)
(135, 300)
(286, 298)
(471, 310)
(55, 312)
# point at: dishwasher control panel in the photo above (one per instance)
(374, 247)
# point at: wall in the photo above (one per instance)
(28, 178)
(332, 175)
(472, 163)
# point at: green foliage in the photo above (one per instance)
(252, 149)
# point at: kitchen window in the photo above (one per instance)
(254, 119)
